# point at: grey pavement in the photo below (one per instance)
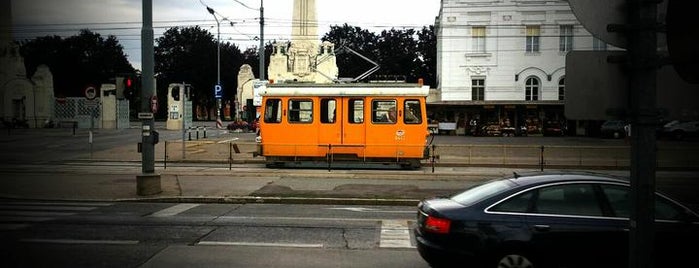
(208, 170)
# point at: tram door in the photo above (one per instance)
(353, 125)
(330, 130)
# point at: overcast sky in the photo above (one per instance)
(122, 18)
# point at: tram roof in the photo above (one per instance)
(351, 89)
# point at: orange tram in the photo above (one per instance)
(372, 125)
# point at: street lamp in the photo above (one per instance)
(217, 89)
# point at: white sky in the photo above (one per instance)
(122, 18)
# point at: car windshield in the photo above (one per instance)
(482, 191)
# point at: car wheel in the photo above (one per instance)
(515, 261)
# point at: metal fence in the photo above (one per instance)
(87, 113)
(534, 156)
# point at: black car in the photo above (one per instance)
(613, 129)
(548, 220)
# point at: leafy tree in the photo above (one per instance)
(189, 54)
(401, 54)
(77, 61)
(427, 55)
(360, 40)
(397, 54)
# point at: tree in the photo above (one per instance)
(189, 54)
(360, 40)
(77, 61)
(401, 54)
(427, 55)
(397, 54)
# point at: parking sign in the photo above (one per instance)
(218, 91)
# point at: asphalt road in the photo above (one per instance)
(57, 234)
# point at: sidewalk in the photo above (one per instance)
(247, 185)
(203, 174)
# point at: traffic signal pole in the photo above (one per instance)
(643, 63)
(148, 183)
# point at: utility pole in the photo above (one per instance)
(261, 51)
(643, 62)
(217, 89)
(148, 182)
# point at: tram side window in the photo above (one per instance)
(300, 111)
(383, 111)
(273, 111)
(327, 110)
(412, 112)
(355, 111)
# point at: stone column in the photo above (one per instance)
(304, 22)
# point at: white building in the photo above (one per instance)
(503, 61)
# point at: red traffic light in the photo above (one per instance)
(128, 82)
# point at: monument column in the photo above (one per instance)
(304, 26)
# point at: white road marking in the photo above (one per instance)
(44, 208)
(228, 140)
(174, 210)
(79, 241)
(259, 244)
(395, 234)
(12, 226)
(89, 204)
(374, 210)
(36, 213)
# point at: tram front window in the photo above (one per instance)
(273, 111)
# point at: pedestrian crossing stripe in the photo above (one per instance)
(395, 234)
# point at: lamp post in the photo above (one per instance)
(217, 88)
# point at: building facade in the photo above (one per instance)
(501, 64)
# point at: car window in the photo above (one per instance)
(568, 199)
(666, 210)
(518, 203)
(480, 192)
(618, 198)
(620, 201)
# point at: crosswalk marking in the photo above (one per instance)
(12, 226)
(174, 210)
(79, 241)
(14, 215)
(44, 208)
(395, 234)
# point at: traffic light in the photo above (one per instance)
(129, 90)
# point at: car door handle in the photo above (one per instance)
(542, 227)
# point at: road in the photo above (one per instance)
(90, 234)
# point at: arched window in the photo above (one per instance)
(531, 89)
(562, 89)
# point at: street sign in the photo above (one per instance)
(90, 93)
(218, 91)
(256, 88)
(598, 90)
(597, 15)
(154, 104)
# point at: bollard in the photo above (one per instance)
(541, 160)
(189, 133)
(197, 133)
(165, 157)
(230, 156)
(433, 156)
(204, 132)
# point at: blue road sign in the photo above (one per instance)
(218, 91)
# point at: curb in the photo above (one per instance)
(240, 200)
